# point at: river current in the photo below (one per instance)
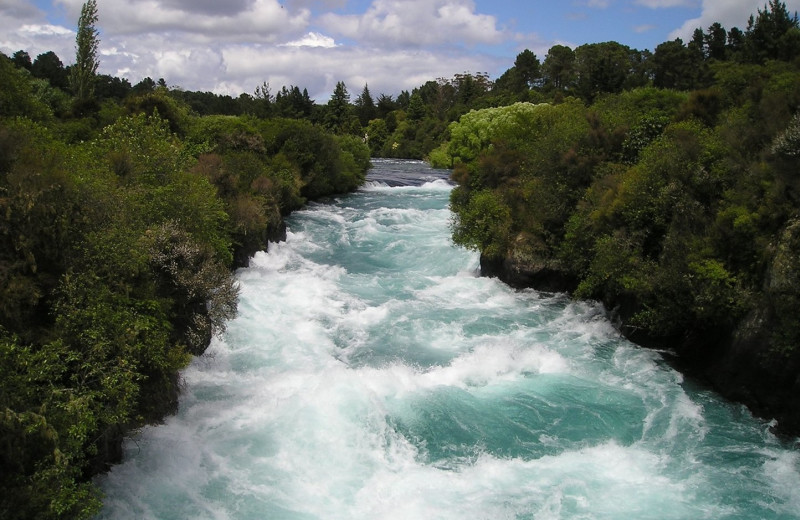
(373, 374)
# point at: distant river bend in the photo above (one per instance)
(372, 374)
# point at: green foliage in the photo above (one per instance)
(676, 66)
(119, 227)
(340, 117)
(665, 205)
(481, 223)
(766, 36)
(37, 206)
(602, 67)
(115, 267)
(788, 142)
(327, 164)
(48, 66)
(160, 104)
(83, 72)
(355, 156)
(140, 149)
(641, 135)
(783, 289)
(630, 108)
(475, 131)
(617, 270)
(377, 133)
(18, 97)
(201, 287)
(559, 68)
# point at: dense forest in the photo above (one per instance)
(663, 183)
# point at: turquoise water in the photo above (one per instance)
(371, 374)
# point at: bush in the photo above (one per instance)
(481, 223)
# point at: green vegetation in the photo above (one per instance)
(84, 72)
(664, 185)
(122, 215)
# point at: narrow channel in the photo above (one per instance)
(372, 374)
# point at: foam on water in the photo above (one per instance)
(372, 374)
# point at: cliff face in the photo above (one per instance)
(756, 363)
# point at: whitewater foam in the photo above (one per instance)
(372, 374)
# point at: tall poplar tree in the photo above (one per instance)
(83, 73)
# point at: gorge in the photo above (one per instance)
(372, 373)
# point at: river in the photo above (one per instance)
(372, 374)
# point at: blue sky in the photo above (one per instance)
(233, 46)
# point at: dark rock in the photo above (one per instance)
(255, 242)
(521, 275)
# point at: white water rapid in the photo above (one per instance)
(372, 374)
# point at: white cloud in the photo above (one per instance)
(231, 48)
(318, 69)
(312, 39)
(36, 39)
(416, 23)
(36, 30)
(204, 21)
(730, 13)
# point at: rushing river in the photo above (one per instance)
(372, 374)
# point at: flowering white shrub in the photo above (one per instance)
(788, 143)
(203, 288)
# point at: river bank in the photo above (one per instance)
(372, 373)
(733, 362)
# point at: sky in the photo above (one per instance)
(233, 46)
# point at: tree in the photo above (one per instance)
(672, 66)
(263, 97)
(145, 86)
(385, 105)
(559, 67)
(715, 41)
(111, 87)
(22, 60)
(403, 99)
(528, 68)
(602, 67)
(365, 107)
(83, 73)
(469, 87)
(416, 108)
(338, 116)
(698, 43)
(736, 43)
(16, 99)
(765, 32)
(290, 102)
(48, 66)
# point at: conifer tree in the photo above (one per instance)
(365, 107)
(338, 109)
